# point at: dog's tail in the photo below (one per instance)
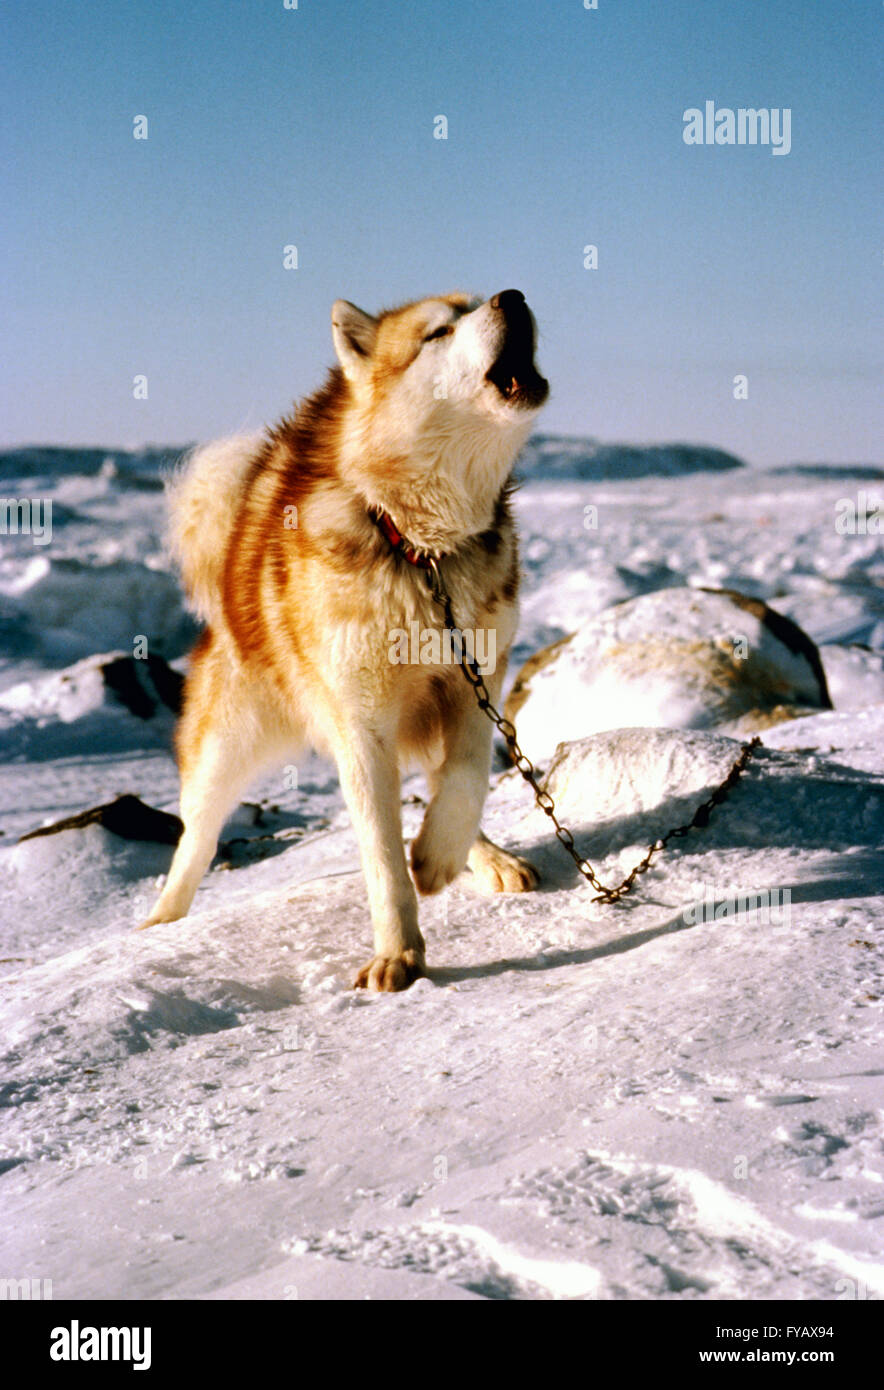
(203, 496)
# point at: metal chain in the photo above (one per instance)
(699, 820)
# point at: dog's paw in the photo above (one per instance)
(391, 974)
(432, 875)
(437, 857)
(496, 870)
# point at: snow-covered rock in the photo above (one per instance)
(632, 785)
(110, 700)
(678, 658)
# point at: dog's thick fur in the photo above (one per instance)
(300, 592)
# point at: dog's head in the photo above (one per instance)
(441, 395)
(441, 366)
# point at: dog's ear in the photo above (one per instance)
(354, 334)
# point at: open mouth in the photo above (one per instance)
(513, 372)
(518, 380)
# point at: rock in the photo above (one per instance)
(677, 658)
(128, 817)
(128, 678)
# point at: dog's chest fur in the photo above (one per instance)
(312, 591)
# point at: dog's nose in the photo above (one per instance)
(507, 300)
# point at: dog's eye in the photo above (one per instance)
(439, 332)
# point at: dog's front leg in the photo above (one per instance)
(458, 789)
(369, 776)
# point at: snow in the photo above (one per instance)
(675, 1098)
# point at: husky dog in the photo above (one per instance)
(302, 550)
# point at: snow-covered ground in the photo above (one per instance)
(678, 1097)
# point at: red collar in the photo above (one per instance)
(396, 541)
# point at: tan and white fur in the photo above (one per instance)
(300, 591)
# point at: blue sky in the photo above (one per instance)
(314, 127)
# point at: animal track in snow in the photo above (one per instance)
(590, 1185)
(465, 1255)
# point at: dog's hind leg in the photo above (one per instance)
(221, 748)
(210, 789)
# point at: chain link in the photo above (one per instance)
(604, 894)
